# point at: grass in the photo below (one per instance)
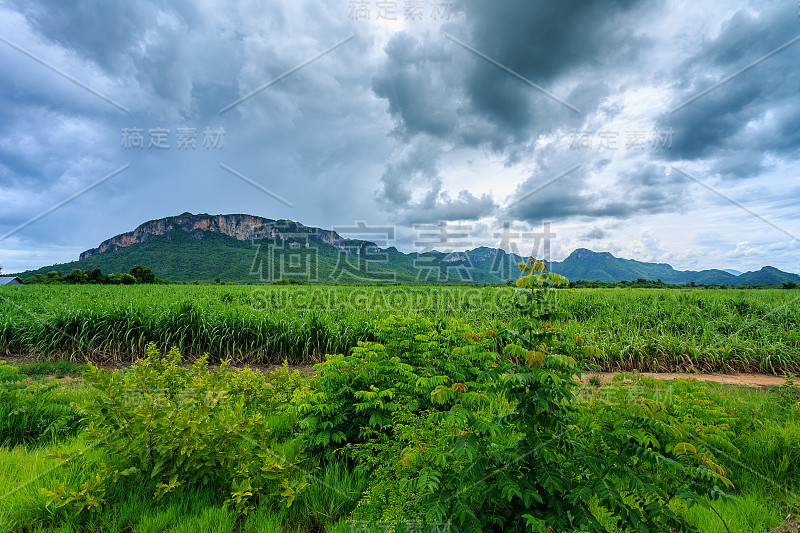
(25, 470)
(755, 512)
(324, 506)
(646, 329)
(59, 368)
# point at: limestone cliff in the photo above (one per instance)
(241, 227)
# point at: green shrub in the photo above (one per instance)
(273, 393)
(542, 467)
(32, 413)
(411, 363)
(166, 427)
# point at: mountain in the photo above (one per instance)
(583, 264)
(245, 248)
(766, 276)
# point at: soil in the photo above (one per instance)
(744, 380)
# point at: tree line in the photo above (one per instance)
(658, 284)
(138, 274)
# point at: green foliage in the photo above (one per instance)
(165, 426)
(121, 279)
(560, 473)
(789, 392)
(271, 394)
(142, 274)
(491, 442)
(137, 274)
(32, 413)
(413, 365)
(772, 452)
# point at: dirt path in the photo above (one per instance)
(745, 380)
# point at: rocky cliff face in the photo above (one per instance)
(241, 227)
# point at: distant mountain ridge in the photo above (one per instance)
(247, 248)
(583, 264)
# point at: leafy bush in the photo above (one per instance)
(273, 394)
(691, 424)
(165, 426)
(32, 413)
(541, 467)
(411, 364)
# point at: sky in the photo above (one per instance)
(657, 131)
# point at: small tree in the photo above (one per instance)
(121, 279)
(77, 276)
(552, 469)
(142, 274)
(96, 276)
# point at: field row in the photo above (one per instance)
(647, 329)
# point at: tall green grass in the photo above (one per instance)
(647, 329)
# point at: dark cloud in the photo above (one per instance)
(747, 120)
(416, 168)
(144, 41)
(595, 234)
(437, 87)
(648, 189)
